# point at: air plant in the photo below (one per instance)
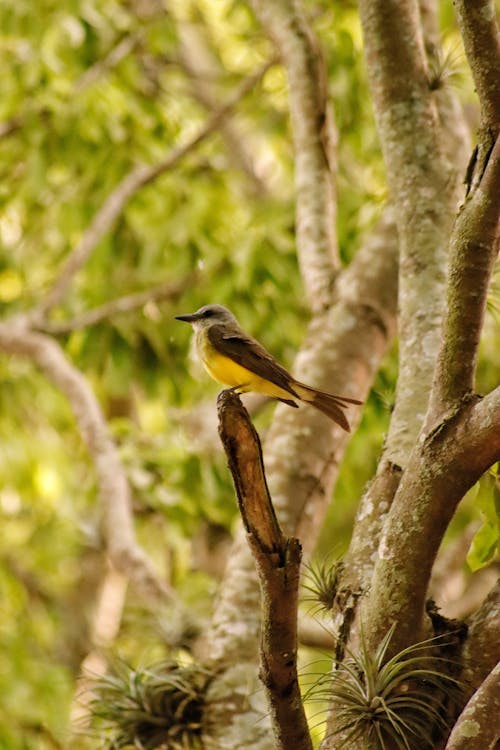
(321, 581)
(444, 67)
(389, 704)
(156, 707)
(493, 298)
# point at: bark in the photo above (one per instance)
(424, 195)
(237, 713)
(478, 726)
(474, 248)
(341, 354)
(313, 138)
(376, 501)
(359, 561)
(301, 470)
(457, 145)
(278, 564)
(481, 37)
(444, 465)
(482, 648)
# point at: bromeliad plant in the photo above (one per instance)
(156, 707)
(398, 703)
(321, 581)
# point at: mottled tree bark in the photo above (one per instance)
(478, 726)
(424, 192)
(408, 506)
(314, 138)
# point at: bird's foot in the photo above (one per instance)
(236, 388)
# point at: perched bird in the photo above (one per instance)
(235, 359)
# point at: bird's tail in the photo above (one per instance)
(327, 403)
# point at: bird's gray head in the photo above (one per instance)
(209, 315)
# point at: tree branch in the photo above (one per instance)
(314, 138)
(301, 468)
(482, 647)
(136, 179)
(474, 247)
(126, 555)
(120, 305)
(457, 145)
(113, 58)
(424, 192)
(368, 527)
(301, 472)
(200, 61)
(443, 466)
(278, 566)
(479, 29)
(478, 726)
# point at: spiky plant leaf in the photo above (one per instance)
(156, 707)
(321, 581)
(444, 67)
(396, 703)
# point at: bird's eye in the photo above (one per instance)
(208, 313)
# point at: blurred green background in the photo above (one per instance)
(89, 90)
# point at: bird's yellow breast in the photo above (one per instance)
(224, 370)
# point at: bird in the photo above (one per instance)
(237, 360)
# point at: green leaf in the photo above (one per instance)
(484, 546)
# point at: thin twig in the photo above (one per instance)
(113, 58)
(120, 305)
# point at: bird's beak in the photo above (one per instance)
(187, 318)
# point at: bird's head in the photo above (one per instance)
(209, 315)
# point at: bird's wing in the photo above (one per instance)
(248, 353)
